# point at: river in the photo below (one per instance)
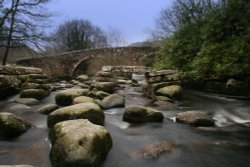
(229, 147)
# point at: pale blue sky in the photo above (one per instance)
(132, 17)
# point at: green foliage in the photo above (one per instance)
(215, 45)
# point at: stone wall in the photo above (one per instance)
(67, 64)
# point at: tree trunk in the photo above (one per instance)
(6, 53)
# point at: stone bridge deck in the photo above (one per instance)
(89, 61)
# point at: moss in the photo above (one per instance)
(38, 94)
(88, 110)
(140, 114)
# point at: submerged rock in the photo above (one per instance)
(19, 107)
(154, 151)
(113, 101)
(83, 99)
(66, 97)
(173, 92)
(195, 118)
(90, 111)
(140, 114)
(12, 125)
(26, 101)
(38, 94)
(79, 143)
(47, 109)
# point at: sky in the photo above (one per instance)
(132, 17)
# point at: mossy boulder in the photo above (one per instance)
(12, 125)
(9, 85)
(67, 96)
(26, 101)
(113, 101)
(140, 114)
(79, 143)
(82, 78)
(90, 111)
(173, 92)
(98, 94)
(38, 94)
(83, 99)
(104, 86)
(47, 109)
(195, 118)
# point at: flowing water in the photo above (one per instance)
(229, 147)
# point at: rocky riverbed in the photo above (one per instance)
(122, 122)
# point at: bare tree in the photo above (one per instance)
(76, 35)
(182, 13)
(115, 37)
(22, 23)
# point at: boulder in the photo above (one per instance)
(47, 109)
(9, 85)
(98, 94)
(155, 150)
(12, 125)
(173, 92)
(104, 74)
(84, 86)
(90, 111)
(38, 94)
(87, 148)
(164, 98)
(83, 99)
(66, 97)
(19, 107)
(195, 118)
(26, 101)
(104, 86)
(113, 101)
(140, 114)
(82, 78)
(157, 86)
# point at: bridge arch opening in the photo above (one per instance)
(81, 67)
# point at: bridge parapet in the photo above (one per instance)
(92, 60)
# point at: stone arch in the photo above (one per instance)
(76, 66)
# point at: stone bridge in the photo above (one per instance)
(89, 61)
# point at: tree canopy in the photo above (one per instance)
(206, 39)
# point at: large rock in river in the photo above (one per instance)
(104, 86)
(47, 109)
(82, 78)
(78, 143)
(173, 92)
(9, 85)
(66, 97)
(38, 94)
(90, 111)
(113, 101)
(140, 114)
(195, 118)
(83, 99)
(12, 125)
